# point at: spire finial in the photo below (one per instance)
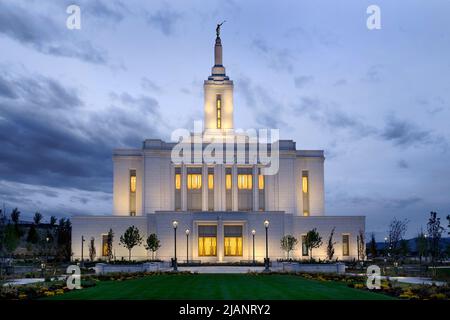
(218, 28)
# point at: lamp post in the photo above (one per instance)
(82, 245)
(187, 246)
(253, 235)
(174, 263)
(266, 260)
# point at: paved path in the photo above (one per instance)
(219, 269)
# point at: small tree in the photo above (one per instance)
(421, 245)
(373, 246)
(288, 243)
(404, 248)
(15, 217)
(330, 246)
(33, 236)
(313, 240)
(11, 239)
(109, 245)
(396, 232)
(37, 218)
(53, 221)
(130, 239)
(435, 230)
(152, 244)
(92, 251)
(361, 245)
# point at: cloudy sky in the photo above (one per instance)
(377, 101)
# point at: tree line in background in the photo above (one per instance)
(428, 245)
(52, 239)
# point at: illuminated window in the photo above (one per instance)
(210, 181)
(132, 199)
(305, 192)
(305, 184)
(228, 181)
(345, 245)
(104, 245)
(261, 182)
(233, 240)
(194, 181)
(245, 181)
(219, 111)
(207, 241)
(178, 181)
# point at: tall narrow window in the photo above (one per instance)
(305, 192)
(177, 188)
(345, 245)
(261, 193)
(228, 181)
(228, 191)
(132, 192)
(211, 189)
(219, 111)
(304, 248)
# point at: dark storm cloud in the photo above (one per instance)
(164, 19)
(48, 138)
(404, 133)
(266, 109)
(301, 81)
(278, 59)
(44, 35)
(331, 116)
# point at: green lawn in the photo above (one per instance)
(220, 286)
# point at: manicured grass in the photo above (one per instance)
(221, 286)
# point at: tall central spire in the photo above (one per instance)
(218, 92)
(218, 70)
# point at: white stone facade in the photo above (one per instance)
(150, 191)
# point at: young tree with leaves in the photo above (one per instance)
(64, 239)
(152, 244)
(33, 236)
(53, 221)
(361, 245)
(288, 243)
(15, 217)
(109, 245)
(373, 246)
(396, 232)
(421, 246)
(435, 230)
(130, 239)
(330, 246)
(92, 251)
(37, 218)
(313, 240)
(11, 239)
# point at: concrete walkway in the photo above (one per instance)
(219, 269)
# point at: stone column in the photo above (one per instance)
(255, 188)
(234, 188)
(183, 187)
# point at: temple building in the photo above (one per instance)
(219, 207)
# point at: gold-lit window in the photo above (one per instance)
(207, 246)
(228, 181)
(245, 181)
(132, 183)
(178, 181)
(233, 246)
(306, 213)
(345, 245)
(219, 111)
(261, 182)
(194, 181)
(210, 181)
(305, 184)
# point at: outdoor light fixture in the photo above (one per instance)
(253, 234)
(187, 246)
(174, 261)
(266, 260)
